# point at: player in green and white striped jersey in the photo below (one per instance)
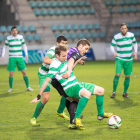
(124, 57)
(15, 43)
(71, 86)
(42, 73)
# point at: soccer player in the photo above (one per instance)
(42, 73)
(71, 86)
(124, 58)
(15, 43)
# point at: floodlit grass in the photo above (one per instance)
(16, 112)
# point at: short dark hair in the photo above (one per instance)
(123, 24)
(61, 47)
(14, 27)
(83, 42)
(60, 38)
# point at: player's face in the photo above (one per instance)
(62, 57)
(83, 49)
(14, 32)
(62, 42)
(124, 30)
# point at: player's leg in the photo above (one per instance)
(99, 92)
(127, 72)
(79, 92)
(118, 69)
(40, 105)
(85, 95)
(11, 68)
(60, 112)
(21, 67)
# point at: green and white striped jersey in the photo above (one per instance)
(15, 45)
(124, 45)
(56, 70)
(43, 70)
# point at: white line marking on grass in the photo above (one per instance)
(121, 92)
(18, 84)
(17, 89)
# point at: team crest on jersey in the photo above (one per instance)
(129, 40)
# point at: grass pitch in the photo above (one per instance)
(16, 112)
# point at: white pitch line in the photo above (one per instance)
(18, 84)
(17, 89)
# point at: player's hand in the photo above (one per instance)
(66, 75)
(82, 62)
(2, 59)
(35, 100)
(135, 56)
(26, 57)
(114, 55)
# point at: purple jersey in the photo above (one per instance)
(70, 51)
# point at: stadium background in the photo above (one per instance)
(42, 21)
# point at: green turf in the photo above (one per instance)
(16, 112)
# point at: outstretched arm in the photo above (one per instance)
(48, 79)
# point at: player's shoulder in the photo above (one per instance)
(117, 35)
(55, 63)
(52, 48)
(9, 37)
(19, 36)
(130, 34)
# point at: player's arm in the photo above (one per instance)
(3, 50)
(51, 73)
(47, 80)
(135, 48)
(71, 63)
(49, 55)
(112, 47)
(25, 49)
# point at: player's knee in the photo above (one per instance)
(102, 91)
(88, 94)
(45, 97)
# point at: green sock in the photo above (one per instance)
(99, 103)
(38, 109)
(62, 105)
(115, 83)
(10, 81)
(80, 107)
(126, 84)
(26, 81)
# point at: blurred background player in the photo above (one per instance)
(42, 73)
(124, 58)
(15, 43)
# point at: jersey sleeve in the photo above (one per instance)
(134, 40)
(51, 53)
(75, 56)
(23, 41)
(6, 42)
(113, 43)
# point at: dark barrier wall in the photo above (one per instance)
(6, 17)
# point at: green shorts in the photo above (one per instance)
(88, 86)
(13, 61)
(126, 65)
(74, 91)
(41, 81)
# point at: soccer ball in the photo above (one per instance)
(114, 122)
